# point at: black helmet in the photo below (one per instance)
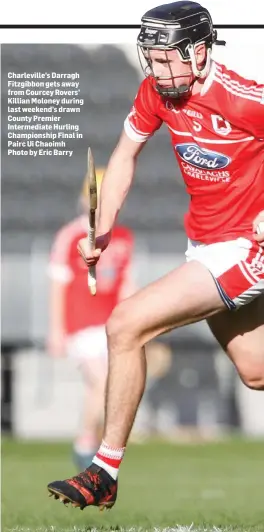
(178, 26)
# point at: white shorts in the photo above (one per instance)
(236, 265)
(88, 344)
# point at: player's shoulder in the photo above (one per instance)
(147, 88)
(231, 79)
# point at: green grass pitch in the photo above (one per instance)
(162, 487)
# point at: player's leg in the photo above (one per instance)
(185, 295)
(236, 276)
(89, 349)
(241, 335)
(94, 370)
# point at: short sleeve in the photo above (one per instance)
(143, 120)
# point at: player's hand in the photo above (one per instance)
(90, 256)
(258, 227)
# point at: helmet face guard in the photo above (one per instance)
(178, 26)
(170, 92)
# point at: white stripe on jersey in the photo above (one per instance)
(238, 86)
(236, 93)
(133, 133)
(230, 88)
(209, 141)
(257, 92)
(182, 133)
(142, 133)
(230, 84)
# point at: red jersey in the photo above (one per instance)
(81, 309)
(218, 140)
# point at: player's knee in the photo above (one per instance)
(255, 383)
(119, 328)
(253, 377)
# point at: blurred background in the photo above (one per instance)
(193, 392)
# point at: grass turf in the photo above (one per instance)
(206, 487)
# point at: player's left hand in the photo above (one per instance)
(258, 228)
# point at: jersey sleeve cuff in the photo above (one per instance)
(133, 133)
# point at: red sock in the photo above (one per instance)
(109, 458)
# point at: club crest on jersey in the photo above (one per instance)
(200, 157)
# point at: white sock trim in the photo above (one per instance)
(104, 444)
(113, 471)
(110, 452)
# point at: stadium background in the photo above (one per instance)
(193, 397)
(197, 387)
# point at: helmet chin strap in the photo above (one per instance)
(204, 71)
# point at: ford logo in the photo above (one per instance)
(193, 154)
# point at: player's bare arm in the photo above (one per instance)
(116, 183)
